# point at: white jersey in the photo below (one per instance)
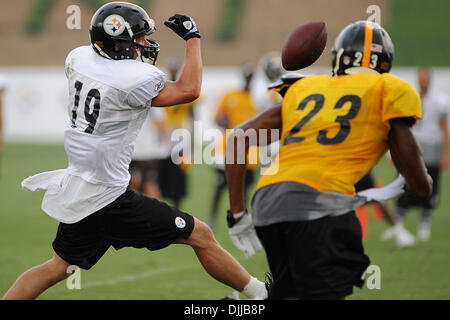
(108, 103)
(148, 141)
(428, 131)
(434, 108)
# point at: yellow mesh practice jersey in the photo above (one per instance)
(177, 115)
(335, 129)
(237, 107)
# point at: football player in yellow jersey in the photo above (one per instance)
(236, 107)
(334, 129)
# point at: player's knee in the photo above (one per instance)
(58, 268)
(202, 235)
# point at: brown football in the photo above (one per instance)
(304, 45)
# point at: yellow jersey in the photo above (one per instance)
(335, 129)
(237, 107)
(176, 116)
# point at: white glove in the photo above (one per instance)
(242, 233)
(390, 191)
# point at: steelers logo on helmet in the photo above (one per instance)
(114, 25)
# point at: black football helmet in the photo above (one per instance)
(114, 28)
(272, 66)
(362, 44)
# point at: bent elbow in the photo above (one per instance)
(190, 95)
(194, 93)
(427, 190)
(423, 190)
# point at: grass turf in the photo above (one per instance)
(26, 234)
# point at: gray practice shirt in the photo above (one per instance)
(293, 201)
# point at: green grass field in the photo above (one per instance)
(26, 234)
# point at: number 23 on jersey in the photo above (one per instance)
(317, 117)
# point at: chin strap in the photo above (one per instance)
(338, 59)
(101, 52)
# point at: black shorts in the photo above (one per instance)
(132, 220)
(318, 259)
(408, 199)
(172, 180)
(147, 169)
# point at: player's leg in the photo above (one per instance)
(142, 222)
(38, 279)
(79, 244)
(149, 173)
(273, 239)
(424, 230)
(402, 236)
(136, 177)
(326, 256)
(219, 263)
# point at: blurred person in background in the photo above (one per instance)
(432, 133)
(3, 83)
(145, 161)
(381, 211)
(235, 107)
(173, 178)
(269, 70)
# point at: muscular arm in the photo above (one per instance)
(187, 87)
(407, 157)
(270, 120)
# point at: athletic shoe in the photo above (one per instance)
(404, 237)
(233, 296)
(388, 234)
(423, 233)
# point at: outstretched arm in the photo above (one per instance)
(239, 141)
(407, 157)
(187, 87)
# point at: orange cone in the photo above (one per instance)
(377, 213)
(361, 213)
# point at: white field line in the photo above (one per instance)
(129, 277)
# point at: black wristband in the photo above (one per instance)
(192, 35)
(231, 221)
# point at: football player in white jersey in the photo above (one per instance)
(111, 90)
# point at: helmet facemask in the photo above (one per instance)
(147, 54)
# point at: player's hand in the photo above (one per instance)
(242, 233)
(184, 26)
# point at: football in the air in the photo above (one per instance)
(304, 45)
